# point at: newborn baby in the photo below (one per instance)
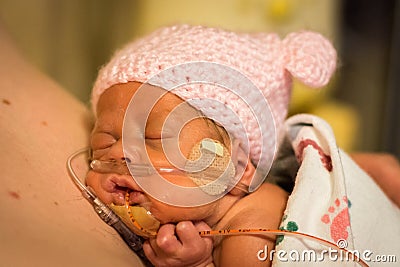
(199, 110)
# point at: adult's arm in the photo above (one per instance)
(384, 169)
(44, 221)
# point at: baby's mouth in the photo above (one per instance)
(130, 204)
(117, 186)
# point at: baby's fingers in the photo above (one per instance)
(202, 226)
(180, 245)
(166, 241)
(188, 234)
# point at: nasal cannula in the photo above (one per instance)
(135, 242)
(137, 170)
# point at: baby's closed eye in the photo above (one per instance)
(101, 143)
(102, 140)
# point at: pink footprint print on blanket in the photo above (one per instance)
(338, 219)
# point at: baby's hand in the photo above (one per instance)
(180, 245)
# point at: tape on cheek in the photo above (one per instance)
(210, 167)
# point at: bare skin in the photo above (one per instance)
(384, 169)
(44, 221)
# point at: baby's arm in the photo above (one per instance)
(261, 209)
(180, 245)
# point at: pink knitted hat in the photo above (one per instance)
(266, 60)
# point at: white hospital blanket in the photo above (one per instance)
(335, 200)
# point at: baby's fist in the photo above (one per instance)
(180, 245)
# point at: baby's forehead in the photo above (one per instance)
(149, 102)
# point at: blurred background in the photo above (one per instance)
(70, 40)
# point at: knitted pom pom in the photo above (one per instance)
(309, 57)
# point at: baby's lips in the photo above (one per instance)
(118, 198)
(137, 198)
(119, 182)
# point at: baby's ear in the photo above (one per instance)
(243, 167)
(309, 57)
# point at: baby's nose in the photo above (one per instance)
(117, 154)
(127, 160)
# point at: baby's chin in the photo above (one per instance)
(95, 187)
(172, 214)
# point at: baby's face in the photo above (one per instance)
(106, 144)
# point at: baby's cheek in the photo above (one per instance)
(90, 179)
(93, 181)
(96, 181)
